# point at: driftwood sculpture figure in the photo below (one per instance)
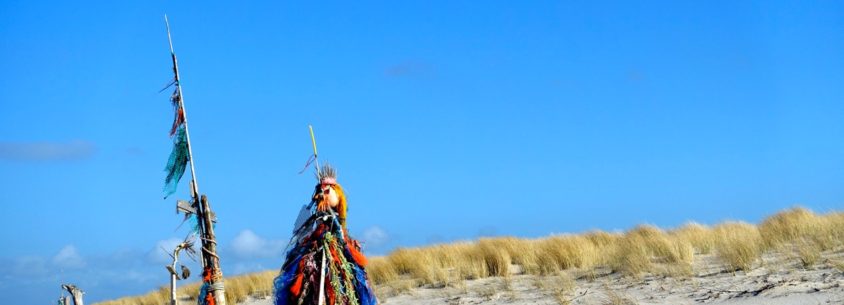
(323, 264)
(75, 292)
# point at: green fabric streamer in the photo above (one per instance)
(341, 278)
(177, 163)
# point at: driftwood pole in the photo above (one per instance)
(209, 248)
(210, 259)
(75, 292)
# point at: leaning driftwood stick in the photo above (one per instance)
(75, 292)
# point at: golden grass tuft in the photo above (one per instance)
(495, 256)
(645, 246)
(259, 284)
(802, 232)
(802, 225)
(159, 296)
(566, 252)
(698, 235)
(381, 270)
(738, 244)
(238, 288)
(808, 253)
(787, 226)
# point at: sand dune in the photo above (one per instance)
(778, 280)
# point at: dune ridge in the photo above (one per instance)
(555, 266)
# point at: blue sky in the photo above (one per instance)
(447, 121)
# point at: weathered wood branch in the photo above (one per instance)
(75, 292)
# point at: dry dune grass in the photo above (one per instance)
(160, 296)
(698, 235)
(738, 244)
(803, 233)
(643, 249)
(238, 288)
(802, 225)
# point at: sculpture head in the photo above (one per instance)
(328, 194)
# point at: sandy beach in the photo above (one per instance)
(779, 280)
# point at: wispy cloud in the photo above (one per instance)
(375, 237)
(124, 272)
(47, 151)
(247, 244)
(159, 254)
(68, 258)
(33, 266)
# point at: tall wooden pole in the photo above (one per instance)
(208, 241)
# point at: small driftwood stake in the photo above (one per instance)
(75, 292)
(174, 276)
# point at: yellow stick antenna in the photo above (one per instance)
(316, 155)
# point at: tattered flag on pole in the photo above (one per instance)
(177, 163)
(179, 157)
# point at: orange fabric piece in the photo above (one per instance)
(296, 288)
(356, 255)
(209, 297)
(330, 293)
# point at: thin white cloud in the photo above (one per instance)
(124, 272)
(375, 237)
(29, 266)
(159, 254)
(46, 151)
(247, 244)
(68, 258)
